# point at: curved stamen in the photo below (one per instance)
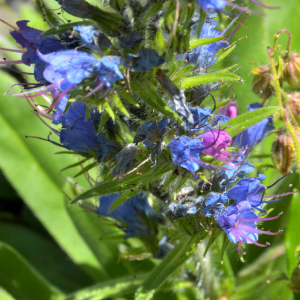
(260, 219)
(249, 239)
(279, 179)
(255, 230)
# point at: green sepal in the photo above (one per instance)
(74, 165)
(222, 54)
(85, 169)
(108, 109)
(118, 103)
(104, 118)
(201, 42)
(123, 198)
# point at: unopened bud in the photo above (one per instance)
(283, 152)
(295, 280)
(291, 70)
(262, 82)
(293, 107)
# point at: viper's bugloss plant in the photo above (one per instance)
(135, 90)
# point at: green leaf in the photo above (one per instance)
(220, 104)
(85, 169)
(189, 82)
(46, 257)
(108, 109)
(244, 121)
(65, 27)
(75, 165)
(292, 237)
(201, 42)
(130, 181)
(151, 98)
(183, 250)
(21, 280)
(123, 198)
(224, 53)
(128, 98)
(109, 289)
(119, 105)
(104, 118)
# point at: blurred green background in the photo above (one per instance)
(49, 249)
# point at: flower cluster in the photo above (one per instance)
(113, 87)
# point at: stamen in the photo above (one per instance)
(13, 50)
(12, 62)
(249, 239)
(279, 180)
(14, 28)
(235, 30)
(260, 219)
(255, 230)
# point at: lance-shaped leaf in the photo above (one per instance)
(244, 121)
(21, 280)
(189, 82)
(180, 253)
(131, 181)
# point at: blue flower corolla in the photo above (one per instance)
(256, 133)
(239, 223)
(145, 60)
(77, 133)
(28, 38)
(219, 5)
(213, 203)
(130, 39)
(245, 188)
(136, 212)
(68, 68)
(59, 110)
(86, 33)
(223, 179)
(203, 57)
(212, 5)
(200, 118)
(185, 153)
(152, 134)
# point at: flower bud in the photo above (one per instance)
(293, 107)
(283, 152)
(262, 82)
(291, 70)
(295, 280)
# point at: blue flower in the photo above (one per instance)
(152, 134)
(29, 38)
(256, 133)
(212, 5)
(203, 57)
(239, 223)
(245, 188)
(145, 60)
(213, 203)
(59, 110)
(86, 33)
(185, 153)
(68, 68)
(200, 118)
(130, 39)
(223, 179)
(189, 207)
(135, 212)
(77, 133)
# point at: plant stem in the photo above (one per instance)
(278, 93)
